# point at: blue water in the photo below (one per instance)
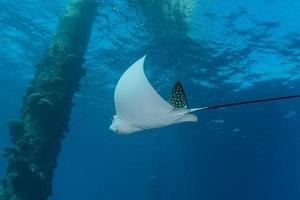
(222, 51)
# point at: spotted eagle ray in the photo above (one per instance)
(139, 107)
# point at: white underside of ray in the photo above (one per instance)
(139, 106)
(136, 99)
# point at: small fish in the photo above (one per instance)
(290, 114)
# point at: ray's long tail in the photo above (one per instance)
(244, 102)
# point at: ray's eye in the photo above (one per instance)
(117, 130)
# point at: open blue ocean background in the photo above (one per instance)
(222, 52)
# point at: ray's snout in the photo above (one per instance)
(121, 126)
(113, 128)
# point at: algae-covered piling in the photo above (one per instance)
(47, 107)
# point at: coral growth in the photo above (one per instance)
(47, 107)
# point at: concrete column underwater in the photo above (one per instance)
(46, 109)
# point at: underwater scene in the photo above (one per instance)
(150, 100)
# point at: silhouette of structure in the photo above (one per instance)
(47, 107)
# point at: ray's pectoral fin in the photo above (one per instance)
(178, 98)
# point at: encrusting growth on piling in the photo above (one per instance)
(47, 107)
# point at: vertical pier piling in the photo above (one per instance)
(46, 109)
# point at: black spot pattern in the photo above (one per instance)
(178, 98)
